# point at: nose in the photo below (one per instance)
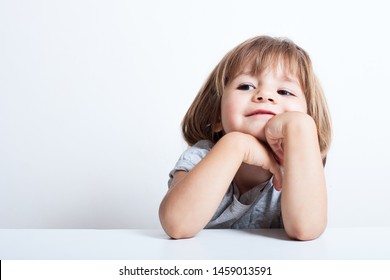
(260, 98)
(264, 96)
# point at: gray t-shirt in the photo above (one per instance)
(257, 208)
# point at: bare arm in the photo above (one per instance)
(194, 197)
(293, 137)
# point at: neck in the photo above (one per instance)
(249, 176)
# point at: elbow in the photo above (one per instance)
(177, 232)
(305, 232)
(175, 228)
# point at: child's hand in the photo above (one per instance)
(276, 131)
(260, 155)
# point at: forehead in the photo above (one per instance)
(282, 68)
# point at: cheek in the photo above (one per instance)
(229, 110)
(304, 107)
(298, 106)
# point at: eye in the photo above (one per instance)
(245, 87)
(285, 92)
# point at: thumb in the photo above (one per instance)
(274, 135)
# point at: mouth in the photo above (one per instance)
(261, 112)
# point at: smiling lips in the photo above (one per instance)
(261, 112)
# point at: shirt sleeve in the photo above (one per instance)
(191, 157)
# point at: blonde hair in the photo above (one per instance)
(203, 116)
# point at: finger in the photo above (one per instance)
(278, 153)
(277, 185)
(274, 129)
(276, 170)
(274, 136)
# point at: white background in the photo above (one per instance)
(92, 94)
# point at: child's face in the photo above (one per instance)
(249, 102)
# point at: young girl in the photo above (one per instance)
(259, 131)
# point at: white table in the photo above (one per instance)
(76, 244)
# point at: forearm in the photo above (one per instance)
(193, 199)
(304, 197)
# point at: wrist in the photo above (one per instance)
(238, 142)
(244, 145)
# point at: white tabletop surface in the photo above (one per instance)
(77, 244)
